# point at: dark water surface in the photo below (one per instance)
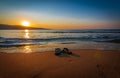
(26, 41)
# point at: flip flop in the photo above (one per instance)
(58, 51)
(66, 50)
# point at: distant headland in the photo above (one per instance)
(17, 27)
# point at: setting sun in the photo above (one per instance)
(26, 23)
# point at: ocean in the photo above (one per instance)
(27, 41)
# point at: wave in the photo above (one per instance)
(11, 45)
(88, 37)
(82, 31)
(16, 42)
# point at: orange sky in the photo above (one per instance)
(59, 24)
(63, 25)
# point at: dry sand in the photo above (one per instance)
(82, 64)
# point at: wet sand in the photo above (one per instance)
(82, 64)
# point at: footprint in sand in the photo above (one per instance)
(101, 73)
(70, 61)
(37, 75)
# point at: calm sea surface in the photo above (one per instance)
(27, 41)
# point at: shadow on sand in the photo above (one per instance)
(69, 55)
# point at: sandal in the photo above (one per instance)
(57, 51)
(66, 50)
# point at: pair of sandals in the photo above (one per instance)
(58, 51)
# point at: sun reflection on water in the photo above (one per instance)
(27, 49)
(27, 34)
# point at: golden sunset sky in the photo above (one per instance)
(58, 14)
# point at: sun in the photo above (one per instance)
(26, 23)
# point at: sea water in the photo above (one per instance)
(27, 41)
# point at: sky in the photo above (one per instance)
(62, 14)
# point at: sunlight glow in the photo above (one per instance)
(27, 34)
(26, 31)
(27, 49)
(26, 23)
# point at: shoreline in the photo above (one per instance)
(54, 51)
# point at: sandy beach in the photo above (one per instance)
(82, 64)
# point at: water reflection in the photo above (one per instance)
(27, 34)
(27, 49)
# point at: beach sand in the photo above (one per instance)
(82, 64)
